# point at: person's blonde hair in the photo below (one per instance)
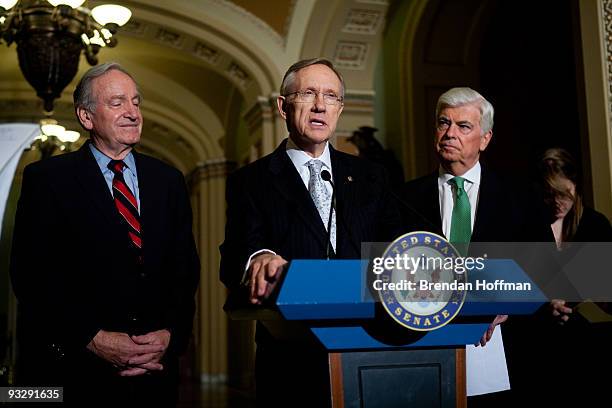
(557, 163)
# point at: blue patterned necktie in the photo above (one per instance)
(321, 197)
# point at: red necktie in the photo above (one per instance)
(126, 203)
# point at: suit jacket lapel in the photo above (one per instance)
(345, 195)
(151, 205)
(290, 186)
(92, 181)
(432, 211)
(485, 213)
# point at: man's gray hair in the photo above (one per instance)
(82, 95)
(456, 97)
(289, 78)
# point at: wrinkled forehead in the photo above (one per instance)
(114, 79)
(469, 111)
(318, 77)
(115, 83)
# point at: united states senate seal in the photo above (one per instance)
(422, 287)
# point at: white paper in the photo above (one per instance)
(14, 138)
(486, 369)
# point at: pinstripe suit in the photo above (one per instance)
(269, 207)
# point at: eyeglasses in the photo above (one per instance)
(309, 96)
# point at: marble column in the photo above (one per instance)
(207, 188)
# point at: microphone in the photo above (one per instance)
(326, 176)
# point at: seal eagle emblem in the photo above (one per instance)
(430, 292)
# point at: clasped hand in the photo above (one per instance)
(133, 355)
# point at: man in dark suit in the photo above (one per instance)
(104, 263)
(279, 210)
(467, 202)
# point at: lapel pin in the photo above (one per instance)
(349, 178)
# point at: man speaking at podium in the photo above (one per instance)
(279, 210)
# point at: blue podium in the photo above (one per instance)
(373, 361)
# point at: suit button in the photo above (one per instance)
(143, 275)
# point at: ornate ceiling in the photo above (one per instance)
(200, 64)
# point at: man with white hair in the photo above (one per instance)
(467, 202)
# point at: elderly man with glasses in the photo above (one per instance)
(280, 208)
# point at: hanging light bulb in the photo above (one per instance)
(70, 136)
(53, 130)
(7, 4)
(71, 3)
(111, 14)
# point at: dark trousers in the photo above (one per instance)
(89, 381)
(291, 375)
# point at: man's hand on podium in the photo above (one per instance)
(489, 333)
(265, 271)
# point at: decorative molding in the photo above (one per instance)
(350, 55)
(169, 38)
(266, 29)
(607, 24)
(213, 168)
(359, 21)
(206, 53)
(169, 137)
(358, 101)
(262, 109)
(240, 76)
(216, 58)
(135, 27)
(363, 94)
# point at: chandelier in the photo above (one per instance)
(54, 137)
(50, 35)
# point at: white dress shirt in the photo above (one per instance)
(486, 369)
(299, 158)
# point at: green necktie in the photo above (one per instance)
(461, 224)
